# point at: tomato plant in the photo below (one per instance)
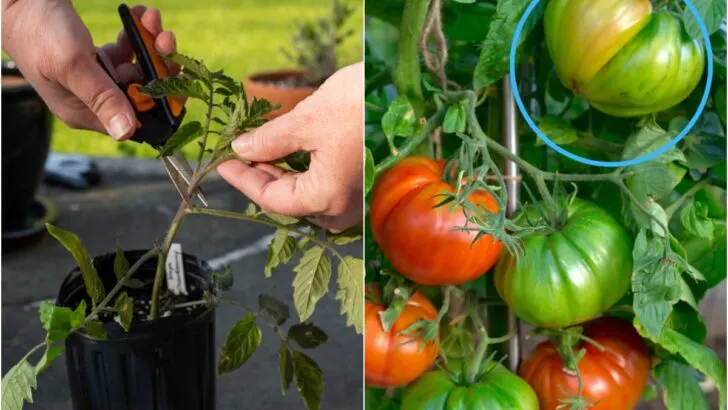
(570, 274)
(392, 358)
(606, 80)
(424, 242)
(614, 369)
(448, 389)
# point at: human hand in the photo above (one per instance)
(328, 124)
(53, 50)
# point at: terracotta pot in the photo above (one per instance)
(263, 85)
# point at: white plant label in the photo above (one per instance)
(175, 270)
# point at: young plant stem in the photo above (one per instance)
(159, 276)
(670, 210)
(407, 73)
(473, 368)
(206, 130)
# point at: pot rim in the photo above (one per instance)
(258, 78)
(139, 331)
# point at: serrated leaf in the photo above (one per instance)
(259, 108)
(73, 244)
(183, 136)
(455, 118)
(121, 265)
(224, 279)
(303, 242)
(309, 381)
(95, 330)
(347, 236)
(285, 366)
(307, 335)
(712, 12)
(18, 385)
(56, 320)
(276, 308)
(176, 87)
(558, 130)
(282, 219)
(313, 273)
(190, 64)
(679, 387)
(231, 85)
(656, 220)
(350, 280)
(280, 250)
(697, 355)
(400, 119)
(494, 54)
(50, 355)
(242, 341)
(124, 311)
(649, 139)
(694, 218)
(368, 171)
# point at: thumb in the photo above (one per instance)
(270, 141)
(93, 86)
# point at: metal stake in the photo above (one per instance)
(510, 140)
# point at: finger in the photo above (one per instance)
(165, 43)
(271, 141)
(152, 20)
(118, 54)
(279, 195)
(129, 72)
(271, 170)
(90, 83)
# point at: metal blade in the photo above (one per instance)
(180, 173)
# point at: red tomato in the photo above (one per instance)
(613, 379)
(392, 359)
(423, 242)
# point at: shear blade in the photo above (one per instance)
(180, 172)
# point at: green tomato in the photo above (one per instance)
(624, 59)
(571, 274)
(495, 389)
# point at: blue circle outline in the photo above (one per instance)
(610, 164)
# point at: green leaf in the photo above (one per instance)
(79, 315)
(494, 54)
(350, 280)
(224, 279)
(709, 257)
(694, 218)
(18, 385)
(680, 389)
(558, 130)
(73, 244)
(455, 118)
(133, 283)
(241, 342)
(56, 320)
(400, 119)
(124, 311)
(688, 321)
(251, 210)
(231, 85)
(712, 13)
(285, 366)
(368, 171)
(282, 219)
(277, 309)
(95, 330)
(697, 355)
(313, 273)
(309, 381)
(189, 64)
(176, 87)
(260, 107)
(307, 335)
(51, 353)
(719, 102)
(347, 236)
(121, 265)
(649, 139)
(656, 220)
(183, 136)
(280, 250)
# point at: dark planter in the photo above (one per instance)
(168, 364)
(26, 131)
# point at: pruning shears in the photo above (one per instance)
(157, 118)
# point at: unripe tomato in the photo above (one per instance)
(612, 379)
(624, 59)
(423, 242)
(569, 275)
(393, 359)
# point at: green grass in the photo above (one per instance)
(238, 36)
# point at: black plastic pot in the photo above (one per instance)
(167, 364)
(26, 131)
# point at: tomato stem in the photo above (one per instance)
(473, 369)
(407, 73)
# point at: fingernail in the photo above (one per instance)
(241, 145)
(120, 126)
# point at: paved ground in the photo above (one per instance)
(133, 206)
